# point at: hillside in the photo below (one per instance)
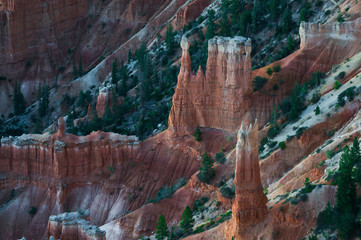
(118, 113)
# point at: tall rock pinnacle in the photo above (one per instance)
(215, 98)
(249, 206)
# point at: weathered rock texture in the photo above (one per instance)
(68, 226)
(217, 99)
(249, 206)
(39, 42)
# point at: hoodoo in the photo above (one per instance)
(249, 206)
(216, 100)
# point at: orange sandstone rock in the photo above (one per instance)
(217, 99)
(249, 206)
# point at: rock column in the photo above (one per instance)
(249, 206)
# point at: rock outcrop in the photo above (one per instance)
(104, 99)
(217, 99)
(73, 225)
(249, 206)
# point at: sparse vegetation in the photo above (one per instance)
(206, 172)
(258, 83)
(197, 135)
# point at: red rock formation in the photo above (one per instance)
(69, 226)
(216, 100)
(7, 5)
(249, 206)
(104, 98)
(189, 13)
(61, 127)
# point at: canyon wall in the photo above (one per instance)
(217, 99)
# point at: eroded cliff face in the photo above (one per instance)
(322, 46)
(42, 41)
(217, 99)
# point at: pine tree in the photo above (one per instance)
(187, 220)
(43, 98)
(290, 44)
(80, 69)
(19, 102)
(124, 79)
(95, 121)
(211, 26)
(287, 21)
(169, 40)
(75, 70)
(206, 172)
(115, 72)
(108, 115)
(346, 195)
(130, 55)
(162, 228)
(273, 9)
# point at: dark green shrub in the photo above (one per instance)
(337, 85)
(269, 71)
(206, 171)
(258, 83)
(282, 145)
(220, 157)
(300, 131)
(317, 110)
(33, 210)
(197, 135)
(341, 75)
(227, 192)
(277, 68)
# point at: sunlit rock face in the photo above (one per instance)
(217, 99)
(249, 206)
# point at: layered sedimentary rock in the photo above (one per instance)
(189, 13)
(68, 226)
(249, 206)
(217, 99)
(322, 46)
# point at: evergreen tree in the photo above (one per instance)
(287, 21)
(257, 13)
(162, 228)
(80, 69)
(130, 55)
(75, 70)
(346, 195)
(108, 115)
(211, 26)
(124, 79)
(43, 98)
(19, 102)
(95, 122)
(169, 40)
(197, 135)
(187, 220)
(245, 19)
(274, 128)
(115, 72)
(225, 27)
(273, 9)
(290, 44)
(206, 172)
